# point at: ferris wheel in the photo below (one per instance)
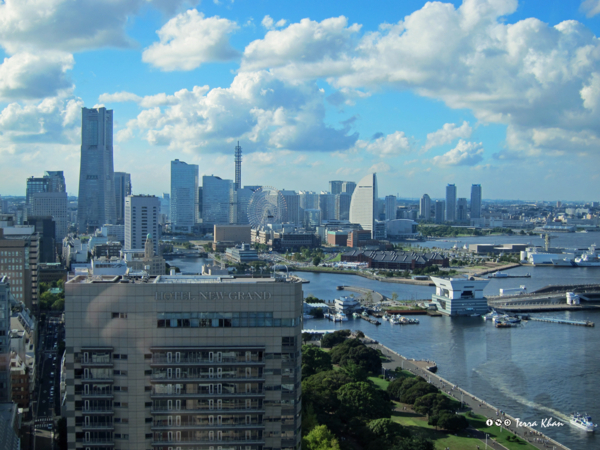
(267, 205)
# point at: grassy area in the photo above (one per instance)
(338, 258)
(324, 269)
(379, 382)
(500, 435)
(418, 425)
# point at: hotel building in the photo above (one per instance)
(183, 362)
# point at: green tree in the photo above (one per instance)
(385, 433)
(363, 401)
(397, 387)
(319, 392)
(452, 422)
(314, 360)
(316, 261)
(356, 372)
(320, 438)
(332, 339)
(414, 443)
(431, 404)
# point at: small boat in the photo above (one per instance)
(341, 317)
(365, 314)
(394, 320)
(404, 320)
(356, 315)
(503, 325)
(386, 317)
(306, 316)
(512, 320)
(413, 321)
(498, 275)
(490, 315)
(583, 421)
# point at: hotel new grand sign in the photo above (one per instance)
(189, 296)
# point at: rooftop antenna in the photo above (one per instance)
(238, 167)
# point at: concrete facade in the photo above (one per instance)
(460, 296)
(232, 233)
(141, 219)
(183, 362)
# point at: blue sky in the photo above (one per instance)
(504, 93)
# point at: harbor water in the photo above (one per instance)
(535, 371)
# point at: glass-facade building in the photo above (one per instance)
(96, 202)
(184, 195)
(364, 204)
(217, 198)
(476, 201)
(451, 203)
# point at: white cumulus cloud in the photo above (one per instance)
(71, 25)
(189, 40)
(393, 144)
(34, 76)
(448, 133)
(464, 154)
(590, 7)
(258, 108)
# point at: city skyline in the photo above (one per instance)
(311, 89)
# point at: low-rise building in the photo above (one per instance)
(146, 259)
(242, 254)
(460, 296)
(393, 260)
(232, 233)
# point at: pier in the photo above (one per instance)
(477, 405)
(582, 323)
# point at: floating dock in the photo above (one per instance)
(581, 323)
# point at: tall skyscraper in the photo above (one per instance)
(390, 207)
(309, 200)
(348, 187)
(216, 200)
(335, 187)
(96, 204)
(292, 213)
(327, 206)
(184, 195)
(165, 206)
(238, 167)
(425, 207)
(440, 211)
(5, 313)
(342, 206)
(450, 203)
(56, 181)
(141, 219)
(240, 207)
(476, 201)
(461, 210)
(52, 204)
(184, 361)
(122, 190)
(363, 206)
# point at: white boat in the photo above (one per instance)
(307, 316)
(341, 317)
(490, 315)
(500, 318)
(498, 275)
(413, 321)
(565, 262)
(386, 317)
(583, 421)
(589, 258)
(394, 320)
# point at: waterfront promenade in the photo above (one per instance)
(477, 405)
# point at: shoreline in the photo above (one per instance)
(482, 407)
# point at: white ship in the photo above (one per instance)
(341, 317)
(498, 275)
(583, 421)
(565, 262)
(588, 259)
(491, 315)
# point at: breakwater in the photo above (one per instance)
(476, 404)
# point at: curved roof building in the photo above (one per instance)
(363, 206)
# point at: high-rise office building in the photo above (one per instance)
(238, 167)
(348, 187)
(363, 206)
(52, 204)
(342, 206)
(5, 313)
(20, 253)
(309, 200)
(183, 361)
(45, 228)
(450, 203)
(240, 207)
(122, 190)
(461, 210)
(165, 206)
(440, 211)
(56, 181)
(141, 220)
(476, 201)
(335, 187)
(184, 195)
(312, 219)
(327, 206)
(390, 207)
(292, 213)
(216, 200)
(96, 203)
(425, 207)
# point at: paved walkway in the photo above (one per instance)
(477, 405)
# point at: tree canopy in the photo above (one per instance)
(314, 360)
(320, 438)
(354, 351)
(332, 339)
(363, 401)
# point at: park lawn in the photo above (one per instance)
(337, 258)
(441, 439)
(478, 421)
(380, 383)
